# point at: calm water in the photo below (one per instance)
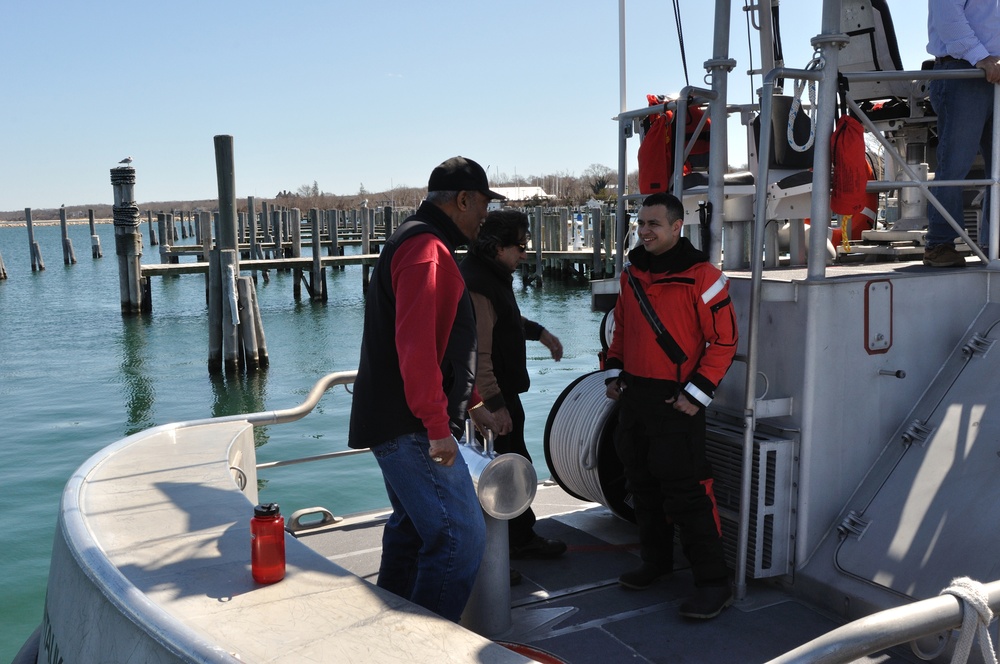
(75, 376)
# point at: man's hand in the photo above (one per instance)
(613, 390)
(682, 404)
(484, 419)
(991, 65)
(502, 422)
(445, 449)
(552, 342)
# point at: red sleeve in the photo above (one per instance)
(718, 326)
(428, 287)
(616, 351)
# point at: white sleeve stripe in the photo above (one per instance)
(693, 391)
(714, 289)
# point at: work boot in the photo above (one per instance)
(708, 602)
(643, 576)
(943, 255)
(538, 547)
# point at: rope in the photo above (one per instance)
(680, 39)
(815, 63)
(976, 618)
(845, 232)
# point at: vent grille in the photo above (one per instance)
(769, 546)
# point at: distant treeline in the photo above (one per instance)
(596, 182)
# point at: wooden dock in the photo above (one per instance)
(258, 264)
(305, 263)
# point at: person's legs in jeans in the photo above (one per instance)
(433, 543)
(964, 108)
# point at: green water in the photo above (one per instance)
(75, 376)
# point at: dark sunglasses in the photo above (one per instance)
(522, 247)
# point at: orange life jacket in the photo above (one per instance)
(656, 152)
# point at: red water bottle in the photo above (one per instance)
(267, 544)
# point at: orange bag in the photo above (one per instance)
(850, 167)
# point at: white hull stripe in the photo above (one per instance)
(714, 289)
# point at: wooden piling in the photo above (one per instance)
(387, 222)
(226, 173)
(317, 284)
(128, 240)
(205, 231)
(596, 233)
(251, 221)
(295, 226)
(247, 329)
(161, 225)
(95, 239)
(33, 249)
(3, 269)
(276, 233)
(214, 313)
(69, 258)
(228, 272)
(152, 235)
(262, 356)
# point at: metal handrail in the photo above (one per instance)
(304, 408)
(298, 412)
(886, 629)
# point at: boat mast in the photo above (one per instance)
(827, 45)
(624, 125)
(718, 68)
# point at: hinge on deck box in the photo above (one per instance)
(853, 524)
(977, 344)
(917, 432)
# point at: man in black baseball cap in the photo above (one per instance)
(461, 174)
(415, 382)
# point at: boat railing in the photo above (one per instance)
(926, 619)
(296, 413)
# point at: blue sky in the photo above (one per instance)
(344, 93)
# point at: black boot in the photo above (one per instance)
(643, 576)
(708, 602)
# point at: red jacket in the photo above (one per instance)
(691, 298)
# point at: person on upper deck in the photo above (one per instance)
(961, 34)
(414, 384)
(663, 382)
(502, 373)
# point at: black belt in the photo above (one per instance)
(941, 59)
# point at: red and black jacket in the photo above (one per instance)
(691, 299)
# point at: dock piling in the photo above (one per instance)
(236, 333)
(33, 249)
(69, 258)
(128, 239)
(95, 240)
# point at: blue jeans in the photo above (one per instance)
(434, 540)
(965, 126)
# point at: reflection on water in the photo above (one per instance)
(139, 390)
(241, 393)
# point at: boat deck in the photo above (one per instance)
(573, 607)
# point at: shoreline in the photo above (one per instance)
(52, 222)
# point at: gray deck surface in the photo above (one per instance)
(574, 608)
